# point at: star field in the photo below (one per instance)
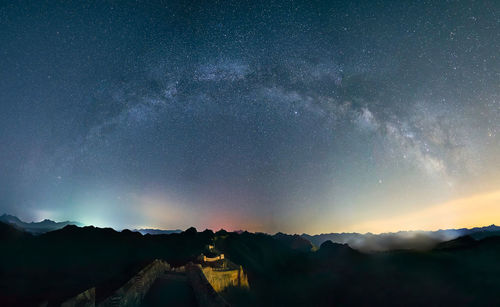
(268, 115)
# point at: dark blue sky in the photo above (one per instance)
(297, 116)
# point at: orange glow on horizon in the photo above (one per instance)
(474, 211)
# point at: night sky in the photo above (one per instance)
(293, 116)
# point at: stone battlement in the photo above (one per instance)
(211, 259)
(221, 278)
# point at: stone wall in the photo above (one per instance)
(132, 293)
(205, 281)
(84, 299)
(205, 294)
(220, 279)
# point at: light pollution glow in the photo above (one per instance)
(473, 211)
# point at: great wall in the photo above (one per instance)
(205, 281)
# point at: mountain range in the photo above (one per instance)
(368, 242)
(282, 270)
(402, 240)
(35, 227)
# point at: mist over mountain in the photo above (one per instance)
(402, 240)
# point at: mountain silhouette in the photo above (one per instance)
(36, 227)
(282, 269)
(295, 242)
(59, 264)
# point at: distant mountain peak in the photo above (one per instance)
(328, 244)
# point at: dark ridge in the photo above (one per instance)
(330, 248)
(295, 242)
(458, 243)
(190, 231)
(10, 232)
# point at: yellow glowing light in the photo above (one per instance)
(477, 210)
